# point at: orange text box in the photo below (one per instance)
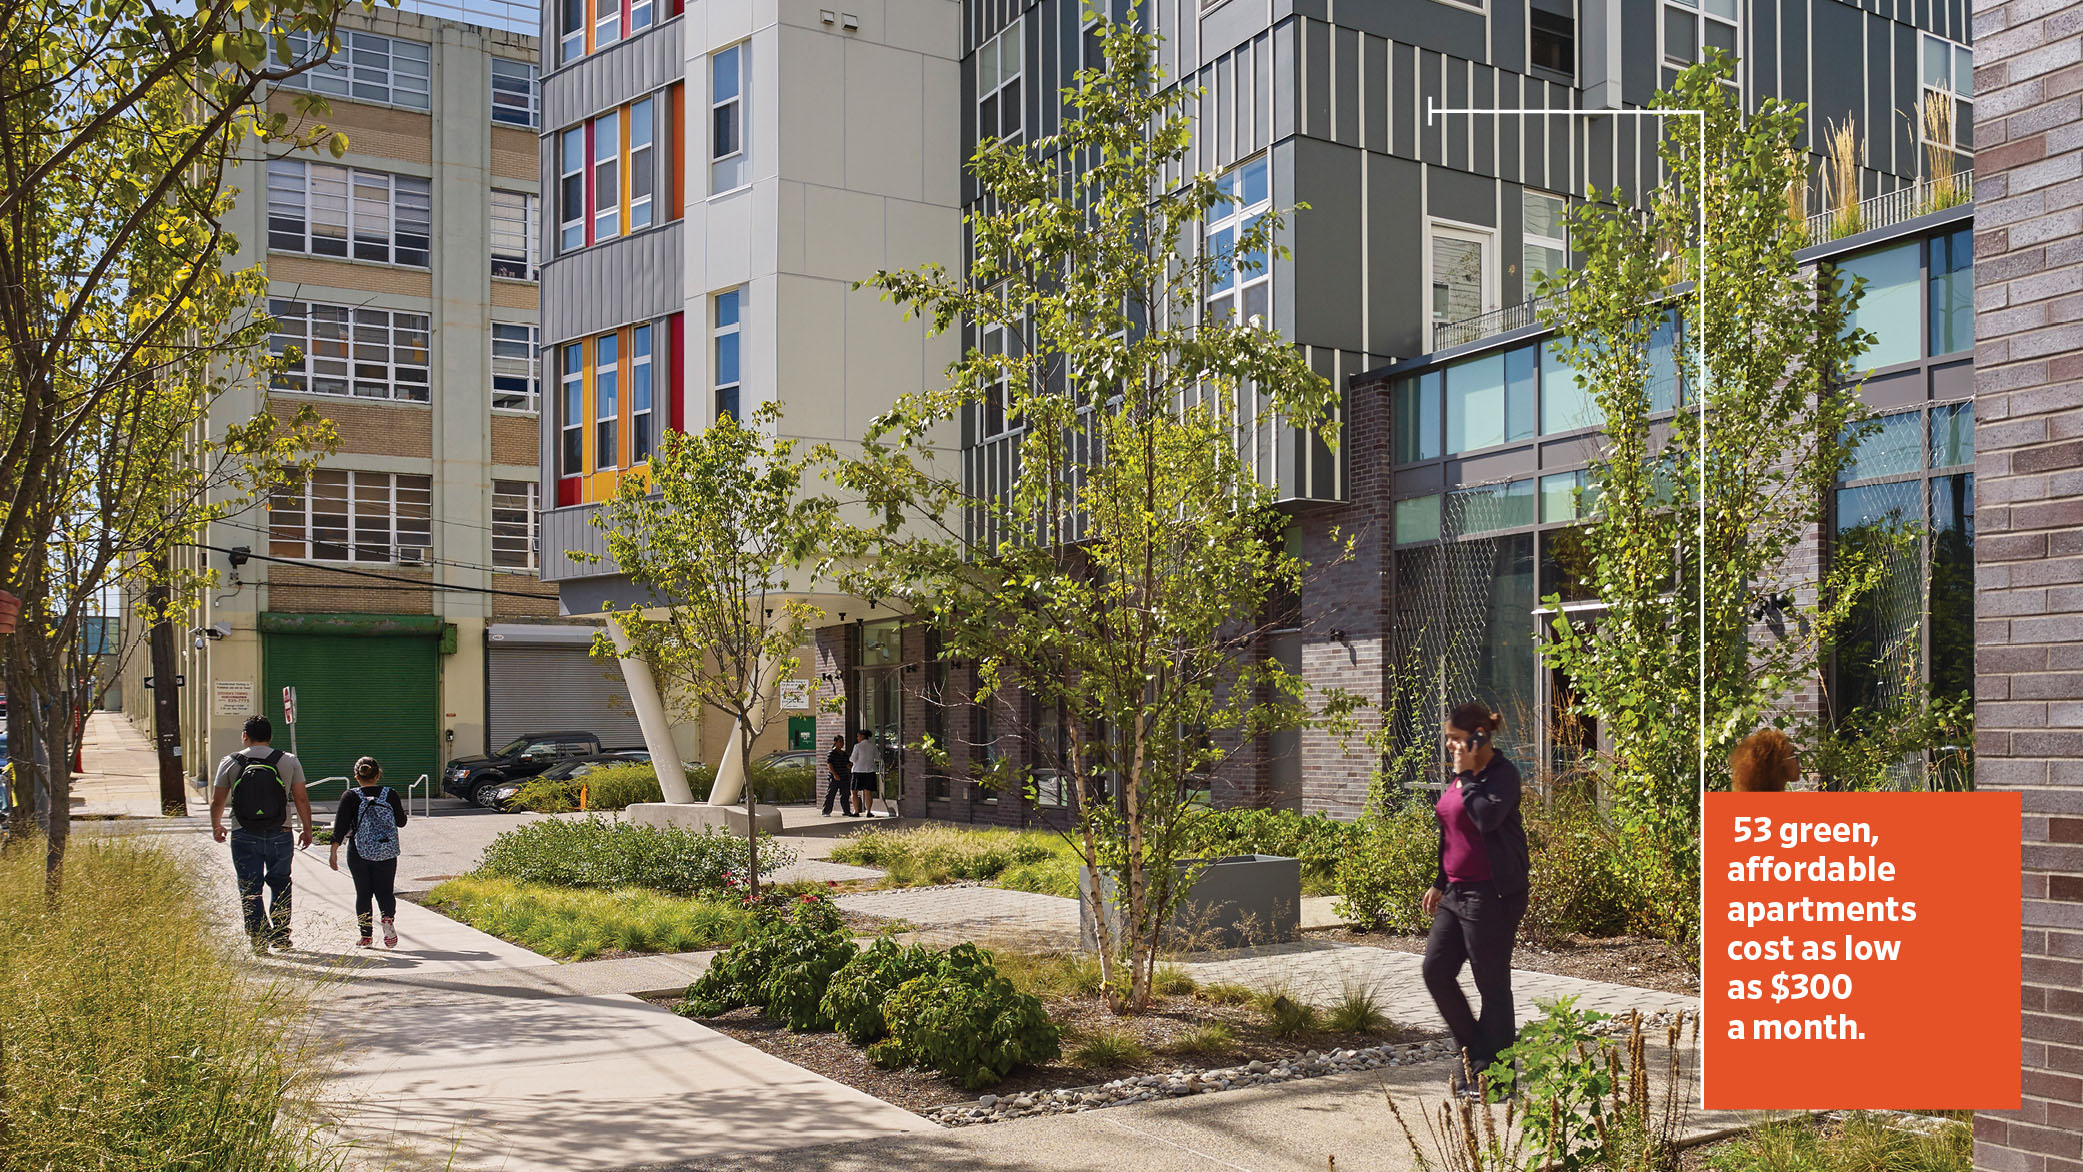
(1861, 950)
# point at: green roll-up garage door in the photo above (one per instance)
(366, 685)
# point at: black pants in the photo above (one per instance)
(377, 881)
(863, 792)
(1476, 925)
(839, 787)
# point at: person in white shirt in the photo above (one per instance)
(867, 757)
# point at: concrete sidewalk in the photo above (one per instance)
(120, 771)
(460, 1050)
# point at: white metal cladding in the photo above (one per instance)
(546, 687)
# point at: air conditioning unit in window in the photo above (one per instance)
(412, 555)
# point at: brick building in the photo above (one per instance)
(2029, 575)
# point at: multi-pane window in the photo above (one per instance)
(571, 189)
(343, 516)
(1546, 238)
(516, 372)
(366, 67)
(607, 24)
(1947, 118)
(516, 96)
(727, 334)
(514, 229)
(1952, 295)
(1242, 283)
(1460, 273)
(571, 30)
(640, 15)
(639, 395)
(607, 189)
(1551, 38)
(1690, 28)
(643, 162)
(571, 447)
(998, 338)
(728, 168)
(513, 524)
(607, 402)
(347, 350)
(342, 211)
(998, 68)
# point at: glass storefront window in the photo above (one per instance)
(1952, 295)
(1475, 403)
(1417, 418)
(1889, 307)
(1417, 519)
(1952, 435)
(1489, 508)
(1565, 404)
(1897, 449)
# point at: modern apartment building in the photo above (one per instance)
(718, 173)
(1423, 234)
(396, 590)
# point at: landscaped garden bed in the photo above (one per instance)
(1851, 1141)
(1621, 960)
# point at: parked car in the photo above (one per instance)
(500, 795)
(522, 757)
(792, 759)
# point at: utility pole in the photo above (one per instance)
(166, 708)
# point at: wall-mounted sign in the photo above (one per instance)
(795, 695)
(233, 697)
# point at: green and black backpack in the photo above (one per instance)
(259, 800)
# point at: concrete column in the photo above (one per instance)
(729, 786)
(650, 714)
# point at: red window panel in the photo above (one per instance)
(676, 358)
(568, 490)
(589, 182)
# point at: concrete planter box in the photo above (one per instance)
(701, 817)
(1235, 902)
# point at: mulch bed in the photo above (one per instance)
(1620, 960)
(833, 1056)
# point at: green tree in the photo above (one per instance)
(726, 538)
(121, 321)
(1773, 349)
(1125, 582)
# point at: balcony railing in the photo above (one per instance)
(1885, 211)
(1448, 334)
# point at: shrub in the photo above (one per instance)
(1213, 1038)
(783, 966)
(598, 853)
(1320, 842)
(853, 1001)
(1384, 875)
(966, 1021)
(574, 925)
(1287, 1017)
(1577, 883)
(132, 1040)
(1109, 1048)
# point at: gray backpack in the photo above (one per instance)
(376, 828)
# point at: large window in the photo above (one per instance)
(607, 24)
(342, 212)
(366, 67)
(571, 189)
(571, 30)
(607, 186)
(1551, 39)
(516, 96)
(640, 416)
(1492, 399)
(1947, 117)
(348, 350)
(728, 311)
(1690, 28)
(1952, 294)
(643, 162)
(514, 230)
(1460, 272)
(728, 169)
(1891, 307)
(516, 374)
(344, 516)
(616, 173)
(998, 67)
(571, 420)
(607, 402)
(1242, 286)
(1546, 248)
(513, 524)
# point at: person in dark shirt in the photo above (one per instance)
(375, 879)
(1478, 893)
(840, 767)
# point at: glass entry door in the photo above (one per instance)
(879, 698)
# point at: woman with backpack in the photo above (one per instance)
(368, 821)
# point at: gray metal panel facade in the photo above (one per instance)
(649, 61)
(571, 528)
(596, 289)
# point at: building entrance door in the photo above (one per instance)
(879, 699)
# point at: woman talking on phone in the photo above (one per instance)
(1478, 893)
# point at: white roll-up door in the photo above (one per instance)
(539, 685)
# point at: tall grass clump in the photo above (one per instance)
(928, 855)
(1841, 179)
(132, 1040)
(599, 854)
(576, 925)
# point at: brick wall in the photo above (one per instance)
(287, 274)
(2029, 540)
(514, 439)
(506, 608)
(314, 590)
(373, 429)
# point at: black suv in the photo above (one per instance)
(519, 758)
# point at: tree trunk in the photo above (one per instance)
(166, 712)
(751, 806)
(57, 751)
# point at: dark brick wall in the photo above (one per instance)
(2029, 539)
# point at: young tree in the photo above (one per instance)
(120, 321)
(725, 537)
(1766, 349)
(1129, 575)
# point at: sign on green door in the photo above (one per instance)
(802, 732)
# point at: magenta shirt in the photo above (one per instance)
(1466, 861)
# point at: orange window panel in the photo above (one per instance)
(628, 175)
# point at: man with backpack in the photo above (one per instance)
(258, 782)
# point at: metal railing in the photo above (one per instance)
(1895, 207)
(1448, 334)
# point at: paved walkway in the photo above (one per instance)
(120, 774)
